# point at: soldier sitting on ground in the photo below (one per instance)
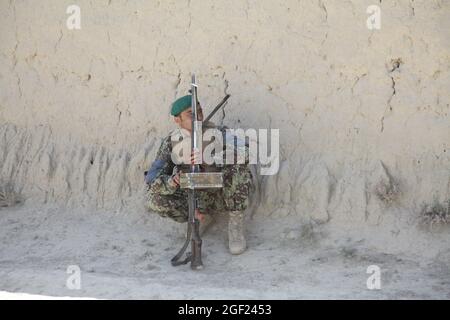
(165, 197)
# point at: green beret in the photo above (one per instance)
(180, 105)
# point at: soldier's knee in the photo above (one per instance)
(165, 208)
(155, 203)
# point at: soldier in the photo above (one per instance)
(165, 197)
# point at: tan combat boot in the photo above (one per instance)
(236, 237)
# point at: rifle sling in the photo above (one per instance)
(176, 260)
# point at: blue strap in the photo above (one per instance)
(152, 173)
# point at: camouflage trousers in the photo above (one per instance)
(234, 195)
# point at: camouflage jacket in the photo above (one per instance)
(162, 168)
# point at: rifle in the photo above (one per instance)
(196, 180)
(221, 103)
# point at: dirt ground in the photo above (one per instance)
(123, 256)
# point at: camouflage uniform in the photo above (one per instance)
(169, 201)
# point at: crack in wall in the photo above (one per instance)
(19, 86)
(58, 41)
(247, 8)
(395, 66)
(190, 17)
(357, 80)
(225, 91)
(13, 4)
(120, 114)
(324, 8)
(14, 53)
(411, 4)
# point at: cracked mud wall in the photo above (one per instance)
(363, 114)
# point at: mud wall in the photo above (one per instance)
(363, 114)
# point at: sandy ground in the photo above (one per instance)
(119, 258)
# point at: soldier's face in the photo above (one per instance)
(184, 119)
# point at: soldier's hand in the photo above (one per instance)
(199, 216)
(175, 180)
(196, 157)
